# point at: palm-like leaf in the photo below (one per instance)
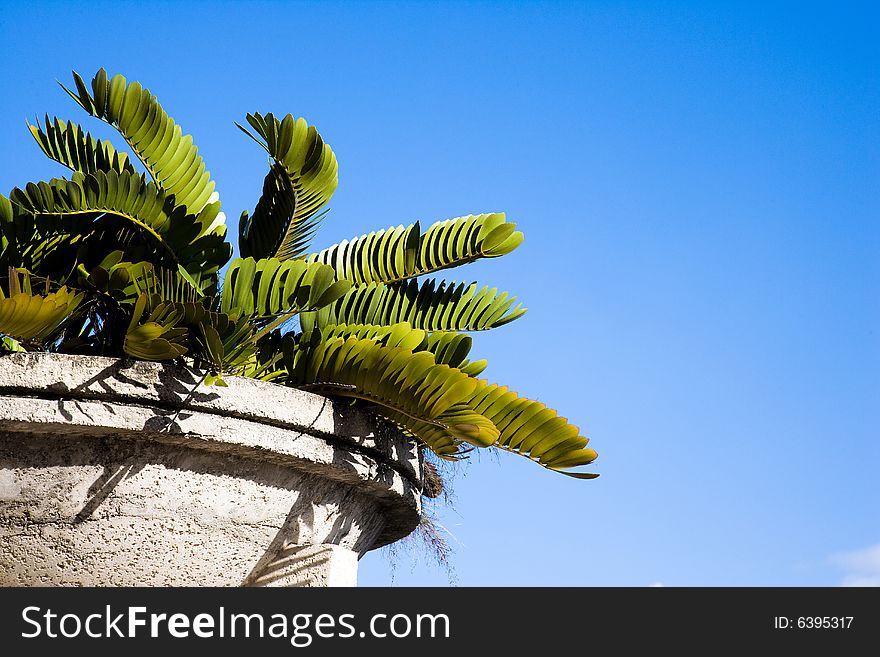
(170, 158)
(425, 305)
(276, 210)
(269, 287)
(449, 348)
(46, 246)
(70, 145)
(52, 246)
(301, 181)
(125, 195)
(10, 345)
(126, 281)
(532, 429)
(409, 387)
(163, 334)
(396, 335)
(25, 316)
(267, 364)
(11, 236)
(229, 342)
(396, 254)
(142, 204)
(490, 416)
(472, 429)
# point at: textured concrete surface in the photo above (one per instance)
(112, 473)
(310, 565)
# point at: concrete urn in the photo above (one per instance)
(115, 473)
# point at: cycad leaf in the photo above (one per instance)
(33, 317)
(532, 429)
(270, 287)
(425, 305)
(408, 387)
(228, 342)
(70, 145)
(143, 205)
(301, 180)
(460, 424)
(170, 157)
(267, 363)
(399, 253)
(397, 335)
(158, 329)
(449, 348)
(154, 341)
(17, 232)
(467, 425)
(9, 345)
(159, 283)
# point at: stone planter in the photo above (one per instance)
(113, 474)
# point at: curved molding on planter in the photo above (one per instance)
(119, 472)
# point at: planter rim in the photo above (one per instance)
(277, 423)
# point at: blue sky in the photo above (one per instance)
(697, 183)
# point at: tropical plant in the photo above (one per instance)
(126, 260)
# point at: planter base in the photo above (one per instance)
(100, 487)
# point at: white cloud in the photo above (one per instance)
(656, 585)
(862, 567)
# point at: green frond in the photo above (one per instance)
(128, 280)
(449, 348)
(160, 329)
(438, 438)
(70, 145)
(269, 287)
(228, 342)
(45, 246)
(9, 345)
(225, 342)
(155, 341)
(532, 429)
(159, 337)
(275, 210)
(396, 254)
(396, 335)
(454, 434)
(13, 233)
(301, 180)
(408, 387)
(7, 222)
(170, 158)
(142, 205)
(381, 256)
(475, 367)
(26, 317)
(425, 305)
(267, 364)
